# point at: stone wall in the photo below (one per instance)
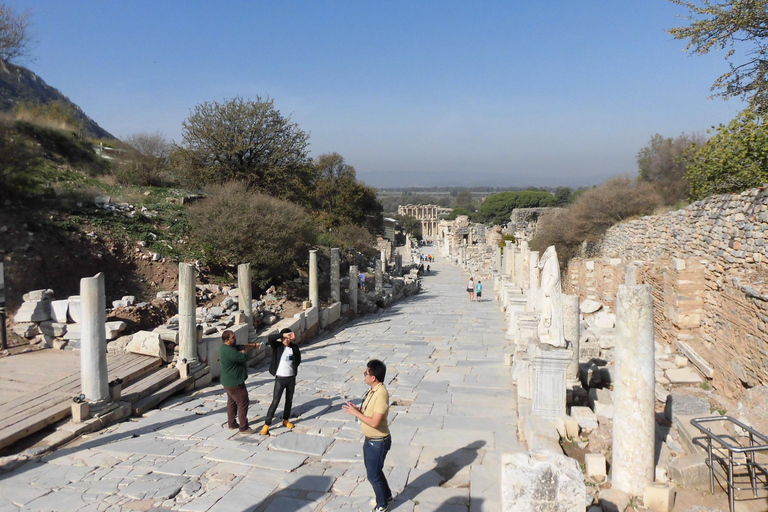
(708, 267)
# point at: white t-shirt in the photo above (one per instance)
(285, 367)
(471, 285)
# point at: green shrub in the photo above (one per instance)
(237, 225)
(356, 237)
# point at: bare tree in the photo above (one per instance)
(662, 162)
(16, 39)
(149, 165)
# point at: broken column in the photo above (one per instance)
(519, 269)
(630, 275)
(314, 289)
(633, 392)
(94, 379)
(509, 259)
(187, 316)
(498, 259)
(335, 278)
(379, 277)
(245, 297)
(354, 278)
(572, 332)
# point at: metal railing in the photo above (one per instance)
(728, 459)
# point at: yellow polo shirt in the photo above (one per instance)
(376, 401)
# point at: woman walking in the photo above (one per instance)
(471, 289)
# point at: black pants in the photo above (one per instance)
(287, 384)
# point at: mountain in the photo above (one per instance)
(18, 84)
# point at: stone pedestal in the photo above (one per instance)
(245, 297)
(354, 280)
(335, 277)
(630, 275)
(572, 332)
(633, 393)
(93, 343)
(549, 383)
(314, 288)
(187, 316)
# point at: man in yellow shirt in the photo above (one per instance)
(373, 418)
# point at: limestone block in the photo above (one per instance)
(551, 482)
(571, 427)
(698, 361)
(324, 314)
(613, 500)
(33, 311)
(508, 358)
(690, 471)
(74, 308)
(73, 332)
(686, 405)
(589, 350)
(752, 408)
(148, 344)
(540, 434)
(600, 402)
(662, 394)
(334, 312)
(113, 329)
(681, 361)
(59, 310)
(659, 497)
(37, 295)
(26, 330)
(167, 334)
(588, 307)
(312, 316)
(606, 338)
(595, 466)
(584, 416)
(80, 412)
(683, 376)
(601, 320)
(54, 329)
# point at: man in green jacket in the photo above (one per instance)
(233, 375)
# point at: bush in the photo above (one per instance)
(237, 225)
(497, 208)
(595, 211)
(357, 237)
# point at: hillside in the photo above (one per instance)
(18, 84)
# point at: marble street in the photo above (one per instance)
(453, 415)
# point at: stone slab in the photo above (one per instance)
(683, 376)
(301, 443)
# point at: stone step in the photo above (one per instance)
(149, 384)
(693, 439)
(161, 394)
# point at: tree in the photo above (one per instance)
(337, 195)
(563, 196)
(460, 210)
(734, 159)
(15, 35)
(497, 208)
(662, 163)
(148, 162)
(410, 225)
(249, 141)
(732, 24)
(464, 198)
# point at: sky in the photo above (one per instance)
(411, 93)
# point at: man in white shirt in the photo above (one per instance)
(285, 362)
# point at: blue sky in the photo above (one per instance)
(418, 93)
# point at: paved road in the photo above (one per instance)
(454, 415)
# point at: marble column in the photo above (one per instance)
(384, 257)
(633, 393)
(94, 379)
(534, 278)
(509, 251)
(497, 258)
(378, 277)
(335, 277)
(187, 314)
(572, 332)
(519, 269)
(630, 275)
(245, 294)
(354, 283)
(314, 288)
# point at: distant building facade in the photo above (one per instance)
(426, 213)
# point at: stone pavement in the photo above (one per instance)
(453, 416)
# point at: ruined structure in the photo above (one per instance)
(426, 213)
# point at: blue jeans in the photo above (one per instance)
(374, 453)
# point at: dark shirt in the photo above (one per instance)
(233, 370)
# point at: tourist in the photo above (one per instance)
(233, 375)
(427, 269)
(362, 280)
(372, 414)
(286, 359)
(471, 288)
(478, 290)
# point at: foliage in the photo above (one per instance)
(563, 196)
(410, 225)
(505, 238)
(464, 198)
(18, 163)
(352, 236)
(338, 197)
(147, 163)
(53, 114)
(15, 36)
(237, 225)
(592, 214)
(662, 162)
(497, 208)
(732, 24)
(249, 141)
(458, 211)
(734, 159)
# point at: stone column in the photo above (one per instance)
(94, 380)
(572, 332)
(398, 265)
(245, 297)
(187, 315)
(335, 277)
(354, 283)
(630, 275)
(379, 277)
(633, 392)
(534, 278)
(519, 269)
(509, 252)
(497, 258)
(314, 288)
(384, 257)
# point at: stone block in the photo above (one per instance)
(26, 330)
(595, 466)
(550, 481)
(601, 403)
(698, 361)
(683, 376)
(114, 328)
(540, 434)
(54, 329)
(584, 416)
(203, 381)
(681, 361)
(613, 500)
(571, 427)
(59, 309)
(148, 344)
(588, 307)
(37, 295)
(80, 412)
(73, 332)
(74, 308)
(690, 471)
(33, 311)
(508, 358)
(659, 497)
(686, 405)
(167, 334)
